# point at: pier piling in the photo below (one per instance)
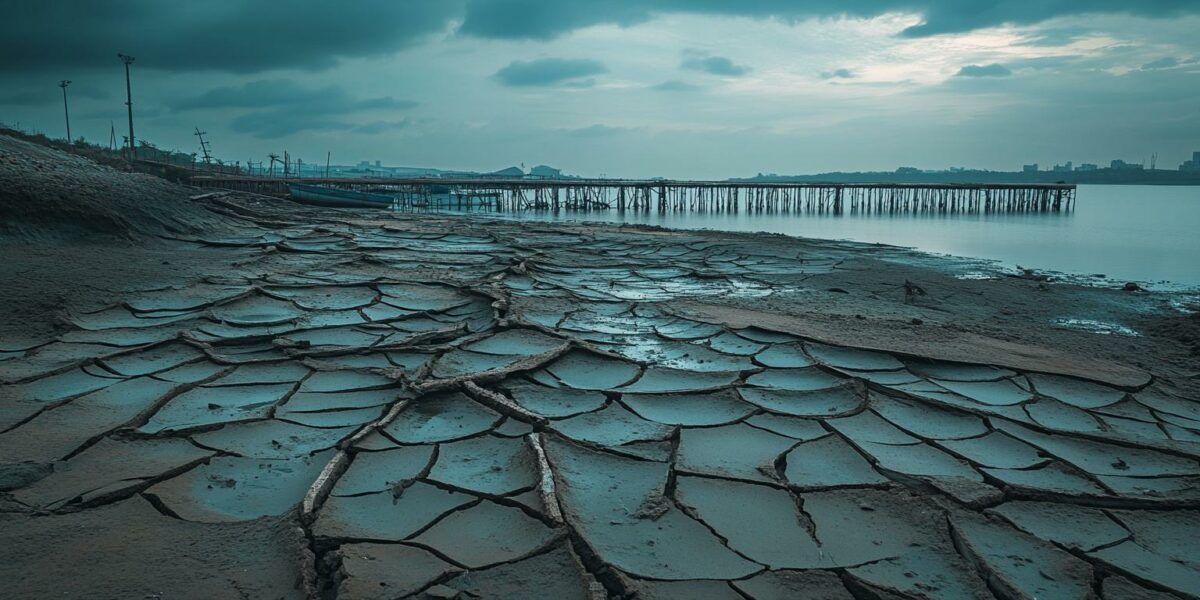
(671, 196)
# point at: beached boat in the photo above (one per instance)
(324, 196)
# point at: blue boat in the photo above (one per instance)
(324, 196)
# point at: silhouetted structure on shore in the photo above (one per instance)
(670, 196)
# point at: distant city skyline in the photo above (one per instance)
(638, 89)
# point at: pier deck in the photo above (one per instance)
(668, 196)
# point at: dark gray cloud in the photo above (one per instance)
(549, 71)
(375, 127)
(284, 107)
(276, 124)
(546, 19)
(713, 65)
(1167, 62)
(29, 97)
(272, 124)
(252, 36)
(838, 74)
(1052, 62)
(956, 16)
(47, 94)
(992, 70)
(228, 35)
(265, 93)
(117, 113)
(674, 85)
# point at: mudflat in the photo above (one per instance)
(211, 395)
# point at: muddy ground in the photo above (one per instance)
(232, 396)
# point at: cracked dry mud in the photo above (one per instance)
(426, 408)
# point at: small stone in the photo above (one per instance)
(1131, 287)
(917, 322)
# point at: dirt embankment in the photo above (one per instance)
(48, 195)
(76, 234)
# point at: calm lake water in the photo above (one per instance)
(1148, 234)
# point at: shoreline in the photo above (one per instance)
(1161, 318)
(1048, 243)
(1150, 309)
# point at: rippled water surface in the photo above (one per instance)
(1139, 233)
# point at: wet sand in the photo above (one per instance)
(354, 404)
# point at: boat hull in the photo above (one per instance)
(323, 196)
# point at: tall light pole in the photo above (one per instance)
(66, 113)
(129, 103)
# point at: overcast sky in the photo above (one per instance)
(633, 88)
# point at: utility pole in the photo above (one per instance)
(204, 146)
(66, 113)
(327, 155)
(128, 60)
(112, 136)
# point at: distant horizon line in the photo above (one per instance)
(1189, 168)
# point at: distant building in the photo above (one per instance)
(1030, 168)
(1191, 165)
(509, 172)
(1065, 168)
(1120, 165)
(907, 171)
(1087, 167)
(545, 171)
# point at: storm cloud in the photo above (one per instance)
(837, 74)
(278, 123)
(700, 88)
(992, 70)
(714, 65)
(247, 36)
(330, 99)
(540, 19)
(233, 36)
(1167, 62)
(284, 107)
(548, 71)
(46, 94)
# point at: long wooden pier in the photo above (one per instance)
(671, 196)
